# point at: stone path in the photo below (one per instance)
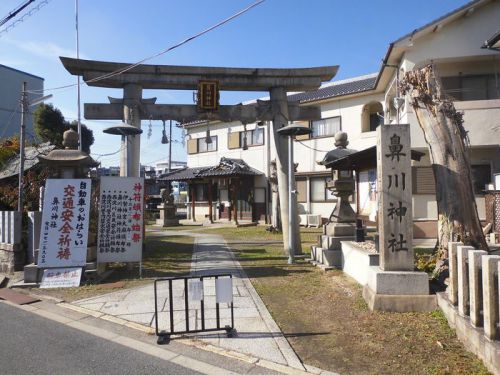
(257, 333)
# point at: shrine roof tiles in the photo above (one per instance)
(226, 168)
(339, 88)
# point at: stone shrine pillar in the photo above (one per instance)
(394, 285)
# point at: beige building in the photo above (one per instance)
(470, 74)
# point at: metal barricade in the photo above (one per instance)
(164, 335)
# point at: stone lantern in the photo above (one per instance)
(342, 185)
(69, 162)
(341, 224)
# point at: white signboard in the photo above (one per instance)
(195, 290)
(65, 223)
(61, 277)
(121, 219)
(224, 290)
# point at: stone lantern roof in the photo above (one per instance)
(70, 156)
(340, 152)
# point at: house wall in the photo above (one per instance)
(457, 40)
(10, 94)
(308, 152)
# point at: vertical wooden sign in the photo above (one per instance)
(395, 214)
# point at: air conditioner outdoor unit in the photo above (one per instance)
(314, 221)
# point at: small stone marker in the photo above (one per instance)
(395, 216)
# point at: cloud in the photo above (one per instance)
(47, 50)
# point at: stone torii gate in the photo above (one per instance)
(133, 108)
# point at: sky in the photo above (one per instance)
(275, 34)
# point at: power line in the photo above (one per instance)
(131, 66)
(312, 148)
(32, 11)
(12, 14)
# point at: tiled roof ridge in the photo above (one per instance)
(348, 80)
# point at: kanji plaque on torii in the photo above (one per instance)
(395, 216)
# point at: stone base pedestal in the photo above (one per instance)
(339, 229)
(32, 274)
(398, 291)
(167, 216)
(329, 251)
(167, 222)
(332, 258)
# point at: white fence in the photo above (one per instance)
(11, 257)
(473, 295)
(10, 227)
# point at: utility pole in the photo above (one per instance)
(24, 110)
(170, 148)
(78, 79)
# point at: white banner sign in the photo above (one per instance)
(224, 290)
(195, 290)
(120, 219)
(61, 277)
(65, 223)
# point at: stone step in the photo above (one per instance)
(333, 242)
(339, 229)
(332, 258)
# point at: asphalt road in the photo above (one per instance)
(30, 344)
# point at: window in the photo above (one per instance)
(325, 127)
(372, 116)
(254, 137)
(319, 192)
(375, 120)
(481, 175)
(201, 192)
(301, 190)
(203, 146)
(472, 87)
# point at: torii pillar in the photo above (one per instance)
(130, 165)
(279, 105)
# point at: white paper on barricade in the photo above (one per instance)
(65, 223)
(195, 290)
(120, 220)
(61, 277)
(224, 290)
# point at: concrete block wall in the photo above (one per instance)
(11, 256)
(471, 303)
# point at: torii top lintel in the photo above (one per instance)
(187, 77)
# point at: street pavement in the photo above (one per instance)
(257, 333)
(45, 338)
(31, 344)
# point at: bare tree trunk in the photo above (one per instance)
(448, 149)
